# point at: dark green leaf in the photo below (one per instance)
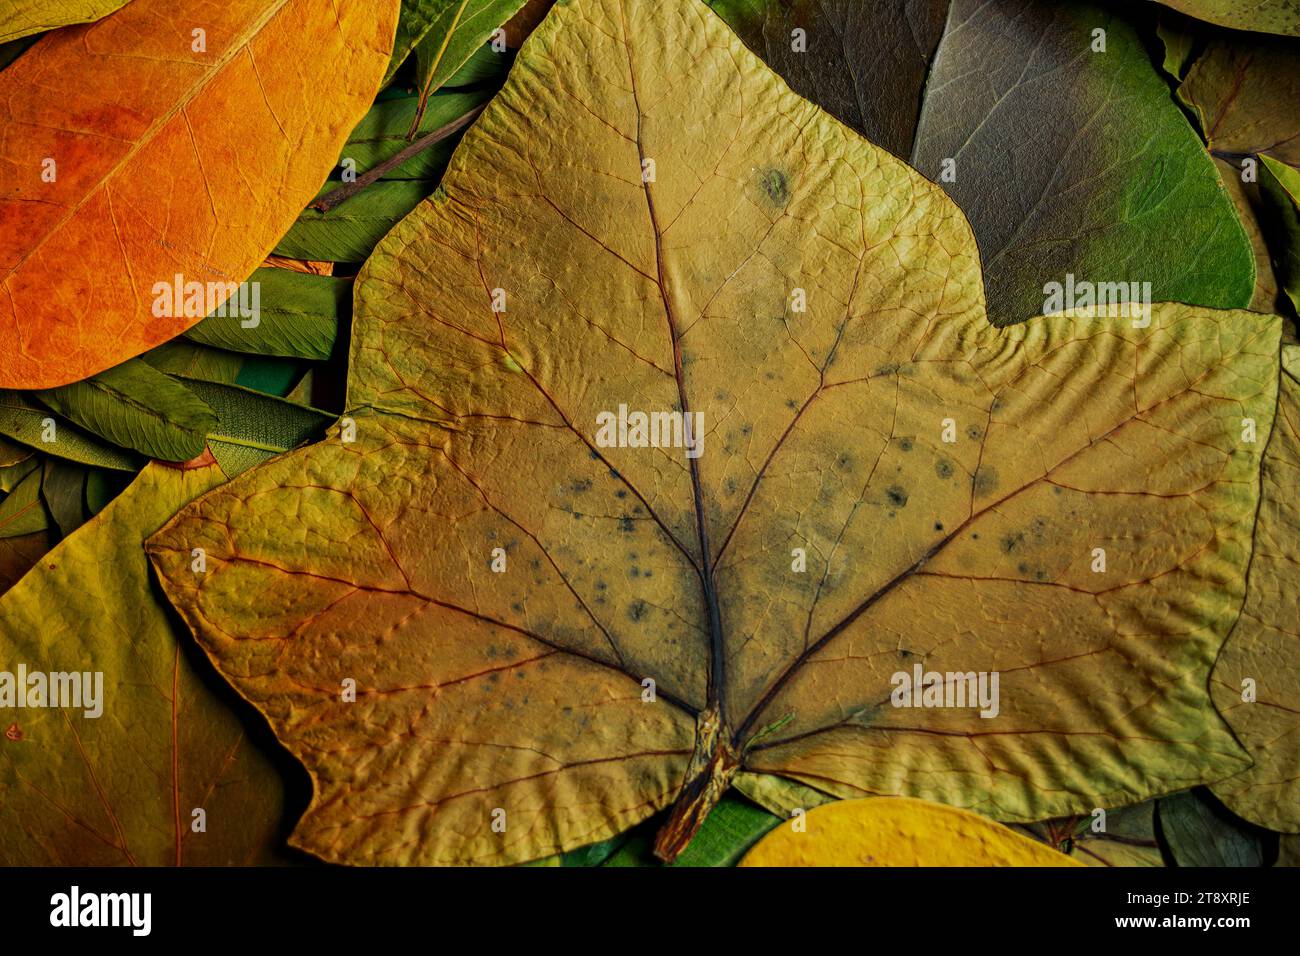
(135, 406)
(350, 231)
(38, 428)
(298, 316)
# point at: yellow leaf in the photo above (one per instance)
(884, 482)
(1256, 682)
(892, 831)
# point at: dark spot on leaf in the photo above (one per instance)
(943, 468)
(775, 186)
(897, 495)
(636, 610)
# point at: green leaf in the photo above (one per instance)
(456, 29)
(1280, 184)
(485, 66)
(1064, 160)
(11, 475)
(20, 18)
(348, 232)
(64, 492)
(730, 830)
(11, 454)
(32, 425)
(183, 357)
(865, 63)
(1070, 161)
(21, 511)
(298, 316)
(1200, 832)
(381, 134)
(135, 406)
(254, 427)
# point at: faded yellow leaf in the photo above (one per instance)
(121, 786)
(895, 831)
(1262, 657)
(945, 485)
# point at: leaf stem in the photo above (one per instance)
(337, 196)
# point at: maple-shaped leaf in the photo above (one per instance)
(166, 147)
(494, 626)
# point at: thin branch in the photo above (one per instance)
(336, 196)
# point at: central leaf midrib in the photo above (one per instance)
(715, 692)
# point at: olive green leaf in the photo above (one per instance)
(864, 63)
(63, 489)
(381, 134)
(1069, 158)
(123, 787)
(1200, 832)
(731, 829)
(1266, 16)
(455, 30)
(20, 18)
(1280, 186)
(254, 427)
(349, 231)
(1047, 123)
(42, 430)
(135, 406)
(21, 510)
(298, 316)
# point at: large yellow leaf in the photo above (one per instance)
(1256, 683)
(121, 786)
(500, 715)
(898, 832)
(176, 137)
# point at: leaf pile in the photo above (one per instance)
(383, 516)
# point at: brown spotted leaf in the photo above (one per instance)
(884, 481)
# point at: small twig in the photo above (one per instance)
(336, 196)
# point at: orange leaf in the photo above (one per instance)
(172, 138)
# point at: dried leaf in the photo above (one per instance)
(168, 160)
(1040, 127)
(21, 511)
(350, 231)
(469, 429)
(1266, 16)
(1256, 682)
(20, 18)
(135, 406)
(899, 832)
(1124, 836)
(1200, 833)
(864, 63)
(38, 428)
(299, 316)
(122, 787)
